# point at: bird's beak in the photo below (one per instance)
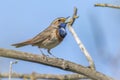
(67, 17)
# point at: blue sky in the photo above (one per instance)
(97, 27)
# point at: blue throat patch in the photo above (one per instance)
(62, 30)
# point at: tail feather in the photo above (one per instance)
(17, 45)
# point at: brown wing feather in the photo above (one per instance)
(17, 45)
(37, 40)
(42, 36)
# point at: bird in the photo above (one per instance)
(49, 38)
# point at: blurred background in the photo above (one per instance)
(97, 27)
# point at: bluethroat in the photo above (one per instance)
(48, 38)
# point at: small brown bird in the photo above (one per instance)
(50, 37)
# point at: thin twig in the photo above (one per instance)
(10, 68)
(107, 5)
(54, 62)
(81, 46)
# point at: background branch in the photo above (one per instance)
(43, 76)
(107, 5)
(54, 62)
(10, 68)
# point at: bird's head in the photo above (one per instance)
(58, 21)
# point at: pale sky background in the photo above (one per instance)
(97, 27)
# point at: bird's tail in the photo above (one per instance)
(17, 45)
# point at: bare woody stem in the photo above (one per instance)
(43, 76)
(54, 62)
(107, 5)
(81, 46)
(10, 68)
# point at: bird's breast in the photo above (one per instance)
(58, 36)
(52, 41)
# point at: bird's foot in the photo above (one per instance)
(45, 55)
(51, 54)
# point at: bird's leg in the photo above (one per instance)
(53, 55)
(42, 52)
(50, 53)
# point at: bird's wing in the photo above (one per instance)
(42, 36)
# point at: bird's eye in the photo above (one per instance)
(59, 20)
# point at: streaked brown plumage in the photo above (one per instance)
(48, 39)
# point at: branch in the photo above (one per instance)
(81, 46)
(10, 68)
(54, 62)
(107, 5)
(43, 76)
